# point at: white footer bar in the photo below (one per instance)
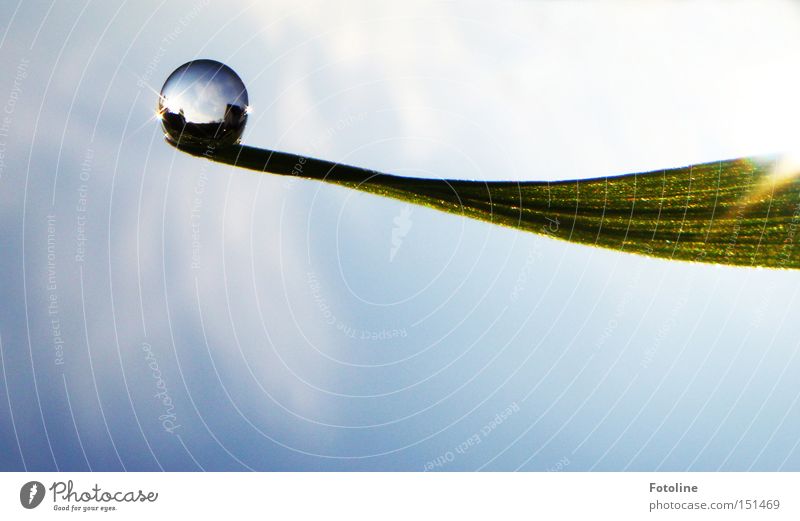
(403, 496)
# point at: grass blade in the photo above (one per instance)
(740, 212)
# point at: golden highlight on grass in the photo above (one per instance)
(742, 212)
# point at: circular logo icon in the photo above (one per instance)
(31, 494)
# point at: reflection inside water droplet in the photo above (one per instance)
(203, 103)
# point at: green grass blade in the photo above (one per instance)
(735, 212)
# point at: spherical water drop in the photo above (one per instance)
(203, 104)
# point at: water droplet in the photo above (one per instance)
(203, 103)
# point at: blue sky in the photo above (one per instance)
(208, 318)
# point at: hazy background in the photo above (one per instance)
(161, 312)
